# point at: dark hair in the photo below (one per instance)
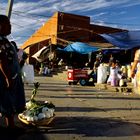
(5, 25)
(3, 18)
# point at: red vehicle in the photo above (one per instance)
(79, 75)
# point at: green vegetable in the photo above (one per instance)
(34, 107)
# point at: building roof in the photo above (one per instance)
(50, 31)
(45, 32)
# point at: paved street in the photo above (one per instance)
(83, 113)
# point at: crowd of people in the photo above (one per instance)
(115, 74)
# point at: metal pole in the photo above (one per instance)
(9, 8)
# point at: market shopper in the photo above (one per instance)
(114, 75)
(135, 71)
(22, 55)
(111, 60)
(12, 96)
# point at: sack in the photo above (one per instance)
(121, 82)
(28, 73)
(101, 74)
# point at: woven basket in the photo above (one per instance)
(41, 122)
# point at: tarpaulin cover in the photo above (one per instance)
(126, 39)
(79, 47)
(112, 50)
(41, 54)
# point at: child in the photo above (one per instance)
(114, 76)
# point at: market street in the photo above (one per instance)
(83, 113)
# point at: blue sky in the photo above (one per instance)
(30, 15)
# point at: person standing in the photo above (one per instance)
(135, 71)
(22, 55)
(95, 68)
(12, 95)
(114, 75)
(111, 60)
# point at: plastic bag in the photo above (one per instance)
(28, 73)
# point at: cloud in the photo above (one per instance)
(91, 5)
(28, 16)
(130, 3)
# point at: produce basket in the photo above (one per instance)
(37, 112)
(45, 121)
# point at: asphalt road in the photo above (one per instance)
(82, 113)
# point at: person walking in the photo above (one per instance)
(12, 95)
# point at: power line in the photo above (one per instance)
(43, 35)
(29, 14)
(72, 27)
(26, 16)
(116, 23)
(94, 21)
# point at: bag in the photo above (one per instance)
(28, 73)
(101, 74)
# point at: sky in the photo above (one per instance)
(29, 15)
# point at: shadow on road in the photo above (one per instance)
(21, 132)
(25, 133)
(92, 109)
(95, 96)
(90, 127)
(84, 126)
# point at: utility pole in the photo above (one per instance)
(9, 8)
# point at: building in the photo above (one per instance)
(63, 28)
